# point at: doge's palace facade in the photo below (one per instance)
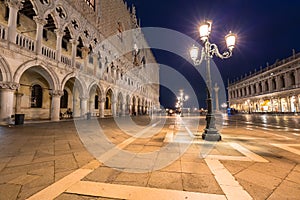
(86, 55)
(275, 88)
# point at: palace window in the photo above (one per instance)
(90, 3)
(267, 86)
(36, 96)
(293, 78)
(282, 81)
(64, 100)
(96, 106)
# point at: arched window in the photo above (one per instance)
(249, 89)
(108, 99)
(96, 102)
(282, 81)
(274, 84)
(293, 78)
(91, 3)
(79, 48)
(36, 96)
(259, 87)
(267, 86)
(64, 100)
(107, 103)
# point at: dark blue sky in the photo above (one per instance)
(267, 30)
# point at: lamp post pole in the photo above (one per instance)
(208, 51)
(210, 132)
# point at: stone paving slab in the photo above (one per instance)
(34, 156)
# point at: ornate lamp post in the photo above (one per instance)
(180, 101)
(208, 51)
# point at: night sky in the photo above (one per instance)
(267, 30)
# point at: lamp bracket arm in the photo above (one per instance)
(213, 50)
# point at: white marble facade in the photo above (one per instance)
(56, 55)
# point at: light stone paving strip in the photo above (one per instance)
(288, 147)
(135, 192)
(248, 153)
(232, 189)
(63, 184)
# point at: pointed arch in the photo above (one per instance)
(99, 88)
(41, 68)
(5, 71)
(80, 85)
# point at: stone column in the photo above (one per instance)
(288, 98)
(130, 110)
(114, 108)
(14, 7)
(297, 77)
(59, 36)
(55, 104)
(298, 100)
(83, 106)
(18, 102)
(123, 109)
(85, 53)
(76, 109)
(270, 85)
(74, 48)
(40, 22)
(279, 105)
(216, 88)
(101, 108)
(6, 101)
(91, 103)
(272, 105)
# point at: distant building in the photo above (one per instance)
(55, 55)
(275, 88)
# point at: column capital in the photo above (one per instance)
(102, 100)
(17, 4)
(85, 51)
(9, 85)
(59, 32)
(83, 98)
(74, 41)
(56, 93)
(40, 20)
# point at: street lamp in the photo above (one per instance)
(208, 51)
(180, 101)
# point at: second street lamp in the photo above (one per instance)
(180, 101)
(208, 51)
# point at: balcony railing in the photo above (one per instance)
(25, 42)
(65, 60)
(48, 52)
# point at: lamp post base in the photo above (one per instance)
(211, 135)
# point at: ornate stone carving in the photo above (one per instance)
(40, 20)
(54, 93)
(18, 4)
(101, 100)
(9, 85)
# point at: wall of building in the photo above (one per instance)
(273, 89)
(27, 58)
